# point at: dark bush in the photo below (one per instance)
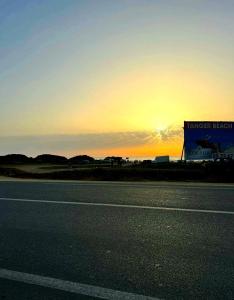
(15, 159)
(81, 159)
(50, 159)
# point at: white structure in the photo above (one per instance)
(162, 159)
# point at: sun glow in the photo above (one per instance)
(161, 127)
(148, 99)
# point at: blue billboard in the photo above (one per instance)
(208, 140)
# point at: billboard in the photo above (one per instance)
(208, 140)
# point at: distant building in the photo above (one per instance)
(162, 159)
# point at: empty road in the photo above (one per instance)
(106, 240)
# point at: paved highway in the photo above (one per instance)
(70, 240)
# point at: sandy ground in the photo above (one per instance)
(5, 178)
(42, 168)
(47, 168)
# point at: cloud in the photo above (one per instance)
(170, 133)
(84, 143)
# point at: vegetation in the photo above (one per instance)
(15, 159)
(81, 159)
(51, 159)
(175, 171)
(44, 159)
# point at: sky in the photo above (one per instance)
(106, 77)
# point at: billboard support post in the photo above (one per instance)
(182, 152)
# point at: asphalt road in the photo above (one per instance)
(117, 236)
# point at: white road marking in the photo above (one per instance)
(122, 206)
(72, 287)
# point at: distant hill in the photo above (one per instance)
(44, 158)
(50, 158)
(81, 159)
(15, 159)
